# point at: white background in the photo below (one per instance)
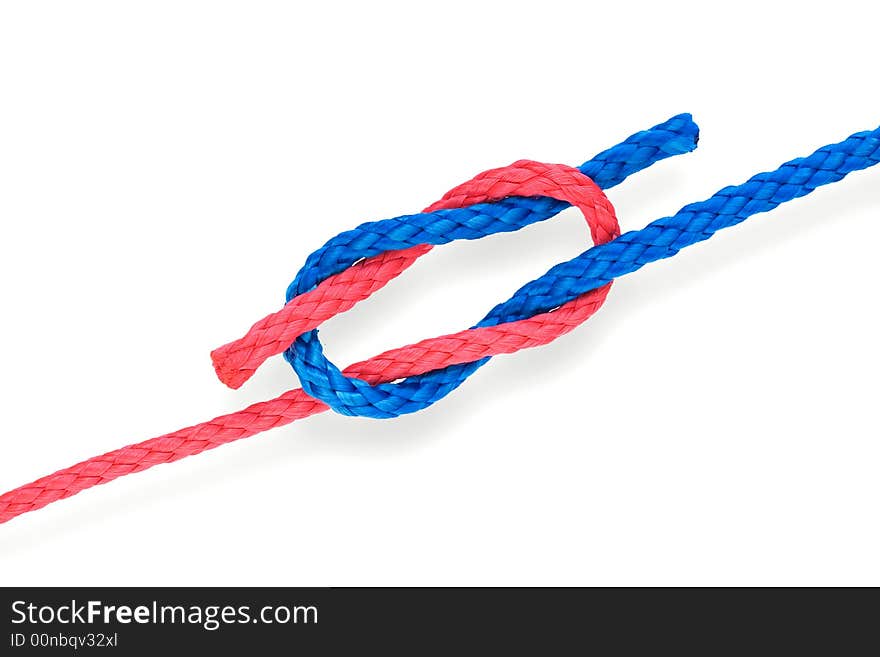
(165, 167)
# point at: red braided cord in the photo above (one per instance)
(236, 362)
(337, 294)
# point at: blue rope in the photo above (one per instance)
(593, 268)
(694, 223)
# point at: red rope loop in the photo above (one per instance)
(236, 361)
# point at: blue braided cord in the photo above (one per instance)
(693, 223)
(660, 239)
(323, 380)
(676, 136)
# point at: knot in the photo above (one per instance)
(356, 263)
(334, 279)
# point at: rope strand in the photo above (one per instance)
(351, 266)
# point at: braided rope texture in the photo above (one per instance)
(336, 294)
(356, 263)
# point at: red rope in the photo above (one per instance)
(236, 361)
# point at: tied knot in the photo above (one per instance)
(354, 264)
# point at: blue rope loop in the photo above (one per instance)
(321, 379)
(593, 268)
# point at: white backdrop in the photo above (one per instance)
(165, 167)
